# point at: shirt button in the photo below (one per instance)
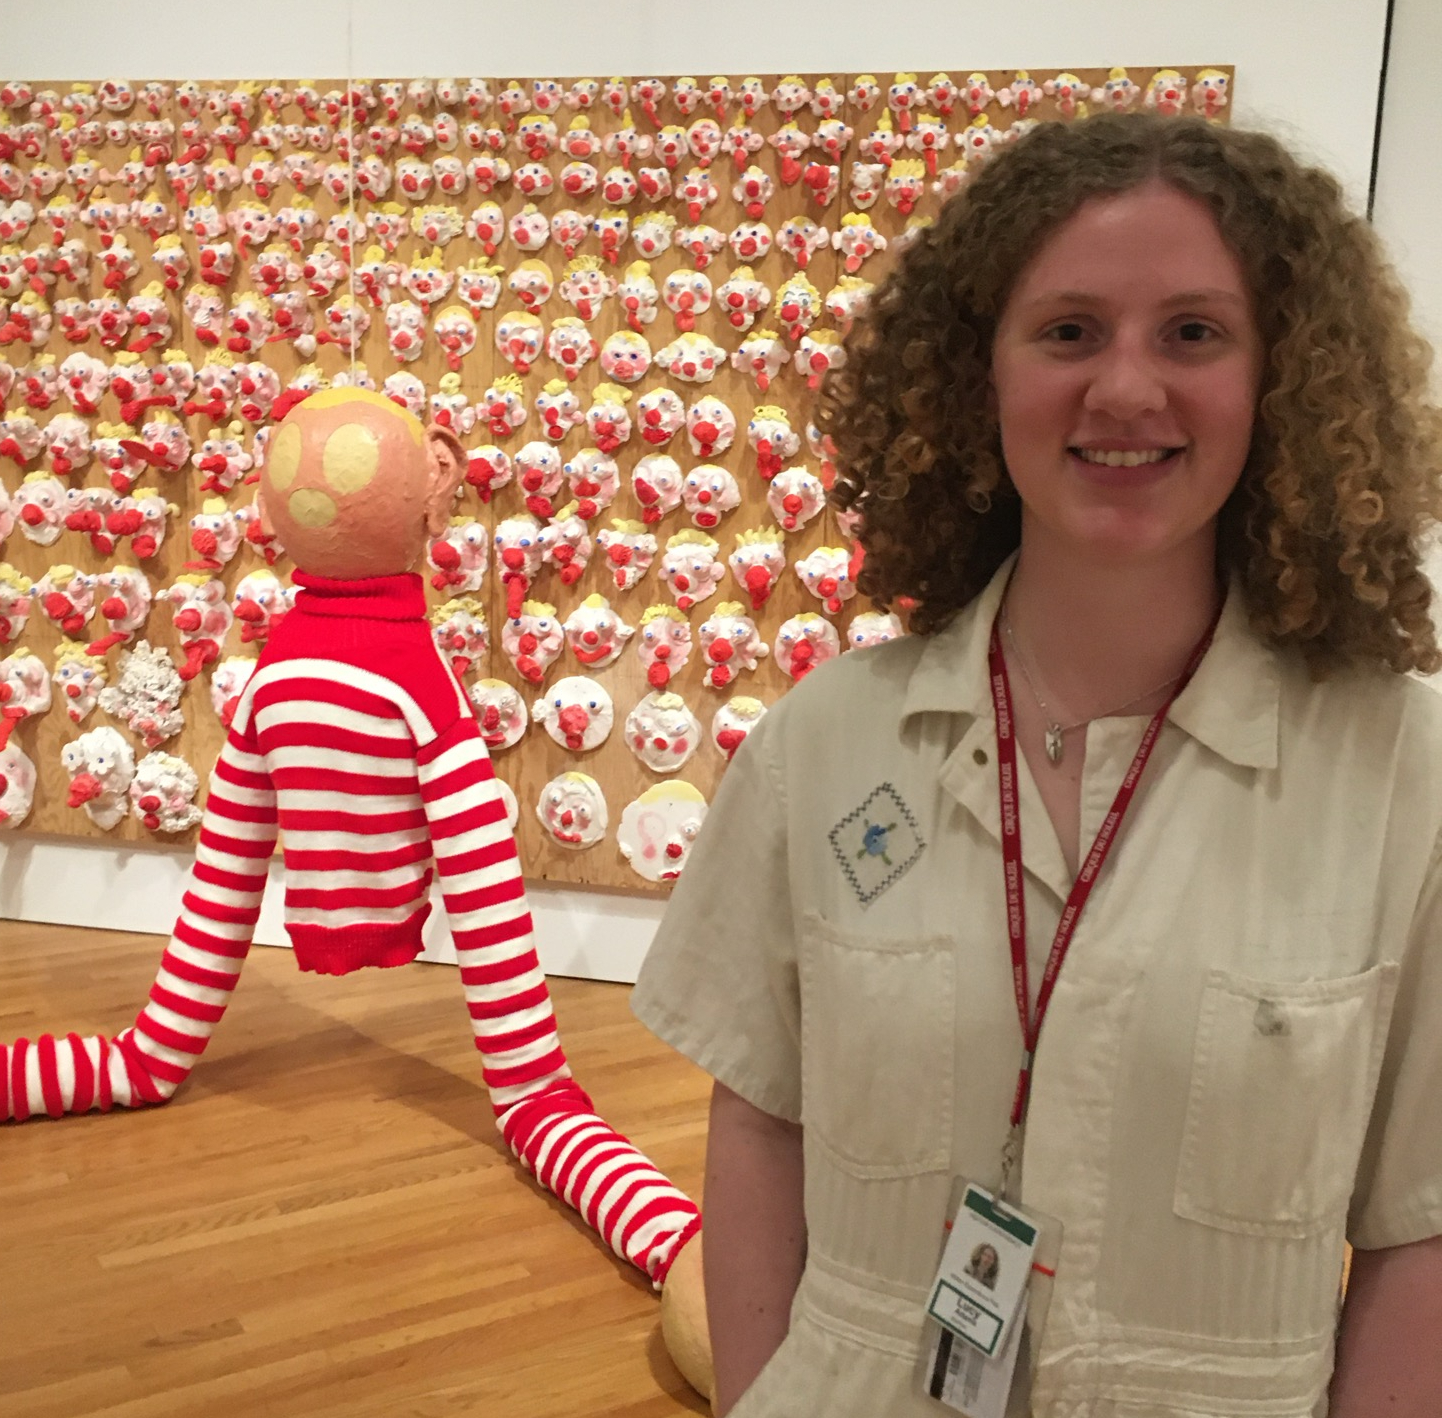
(979, 757)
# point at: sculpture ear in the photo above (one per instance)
(267, 527)
(446, 466)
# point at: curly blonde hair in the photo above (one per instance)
(1343, 480)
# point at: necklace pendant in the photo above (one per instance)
(1054, 742)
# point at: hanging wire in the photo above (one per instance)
(350, 186)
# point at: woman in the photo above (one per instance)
(1140, 430)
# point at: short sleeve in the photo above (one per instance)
(720, 981)
(1398, 1196)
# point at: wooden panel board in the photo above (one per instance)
(536, 759)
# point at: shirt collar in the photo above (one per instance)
(400, 597)
(1232, 705)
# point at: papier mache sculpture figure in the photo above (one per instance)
(350, 685)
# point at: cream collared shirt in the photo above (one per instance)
(1242, 1062)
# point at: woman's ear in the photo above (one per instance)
(446, 466)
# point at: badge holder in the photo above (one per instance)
(988, 1305)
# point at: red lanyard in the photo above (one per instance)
(1090, 869)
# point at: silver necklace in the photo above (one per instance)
(1055, 731)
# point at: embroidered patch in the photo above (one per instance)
(877, 843)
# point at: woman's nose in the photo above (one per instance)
(1126, 379)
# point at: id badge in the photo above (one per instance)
(966, 1316)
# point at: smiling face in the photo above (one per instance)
(1125, 369)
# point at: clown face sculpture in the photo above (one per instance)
(710, 426)
(709, 492)
(653, 234)
(619, 186)
(142, 517)
(742, 297)
(572, 809)
(757, 562)
(692, 357)
(101, 765)
(586, 286)
(594, 479)
(800, 237)
(260, 604)
(21, 441)
(795, 497)
(559, 408)
(406, 330)
(658, 829)
(873, 628)
(203, 618)
(804, 642)
(222, 458)
(461, 634)
(24, 692)
(730, 643)
(774, 440)
(67, 445)
(215, 535)
(665, 643)
(607, 421)
(569, 228)
(531, 283)
(78, 679)
(576, 712)
(517, 544)
(163, 442)
(125, 598)
(826, 574)
(856, 240)
(162, 793)
(539, 470)
(689, 568)
(613, 227)
(67, 598)
(501, 713)
(566, 544)
(638, 296)
(572, 345)
(762, 355)
(630, 550)
(449, 406)
(488, 469)
(662, 732)
(733, 721)
(700, 243)
(407, 391)
(519, 338)
(456, 334)
(625, 356)
(819, 352)
(487, 224)
(595, 633)
(504, 405)
(846, 300)
(656, 481)
(687, 294)
(458, 557)
(528, 229)
(16, 600)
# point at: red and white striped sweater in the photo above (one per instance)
(355, 740)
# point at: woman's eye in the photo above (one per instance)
(1194, 331)
(1067, 332)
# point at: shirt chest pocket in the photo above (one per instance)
(1283, 1076)
(878, 1017)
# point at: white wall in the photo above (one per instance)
(1408, 210)
(1281, 49)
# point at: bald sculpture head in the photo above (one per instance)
(354, 485)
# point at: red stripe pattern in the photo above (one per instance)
(355, 740)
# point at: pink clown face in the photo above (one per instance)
(406, 389)
(572, 809)
(761, 355)
(873, 628)
(653, 234)
(531, 283)
(455, 330)
(16, 599)
(689, 568)
(775, 441)
(571, 345)
(501, 713)
(566, 545)
(607, 421)
(595, 633)
(626, 356)
(39, 505)
(733, 721)
(826, 574)
(461, 634)
(539, 469)
(478, 287)
(629, 550)
(795, 497)
(162, 793)
(406, 330)
(657, 830)
(700, 243)
(67, 598)
(487, 224)
(638, 296)
(664, 645)
(594, 480)
(569, 229)
(710, 426)
(730, 643)
(805, 641)
(613, 227)
(692, 357)
(709, 492)
(576, 712)
(742, 297)
(488, 469)
(757, 562)
(586, 287)
(459, 556)
(260, 603)
(67, 445)
(533, 640)
(77, 683)
(528, 229)
(504, 405)
(800, 237)
(656, 481)
(818, 352)
(687, 294)
(662, 731)
(427, 282)
(519, 338)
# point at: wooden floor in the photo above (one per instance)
(324, 1222)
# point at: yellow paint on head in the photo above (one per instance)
(351, 457)
(347, 394)
(282, 460)
(312, 508)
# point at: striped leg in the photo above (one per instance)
(547, 1121)
(149, 1061)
